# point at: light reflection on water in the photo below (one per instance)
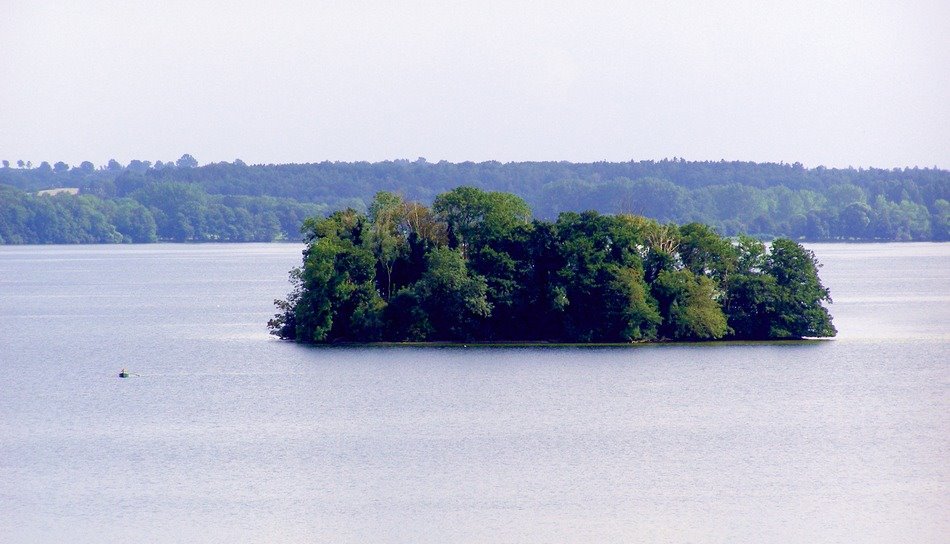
(226, 435)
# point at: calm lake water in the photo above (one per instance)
(227, 435)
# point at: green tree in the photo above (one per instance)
(335, 296)
(840, 196)
(799, 293)
(453, 299)
(752, 300)
(855, 219)
(134, 222)
(384, 238)
(474, 216)
(631, 313)
(705, 253)
(600, 287)
(688, 305)
(186, 161)
(940, 219)
(405, 319)
(778, 294)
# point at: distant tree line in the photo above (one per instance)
(766, 200)
(126, 207)
(475, 267)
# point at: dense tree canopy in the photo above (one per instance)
(477, 268)
(264, 201)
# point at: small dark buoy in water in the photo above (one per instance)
(123, 374)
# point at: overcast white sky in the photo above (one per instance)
(838, 83)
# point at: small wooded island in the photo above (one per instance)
(476, 267)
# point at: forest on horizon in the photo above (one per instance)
(181, 201)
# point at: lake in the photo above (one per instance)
(224, 434)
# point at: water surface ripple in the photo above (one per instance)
(226, 435)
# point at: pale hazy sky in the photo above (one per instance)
(838, 83)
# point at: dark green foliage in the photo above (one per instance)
(798, 292)
(631, 314)
(777, 294)
(485, 273)
(751, 305)
(335, 296)
(604, 296)
(453, 298)
(705, 253)
(405, 319)
(688, 304)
